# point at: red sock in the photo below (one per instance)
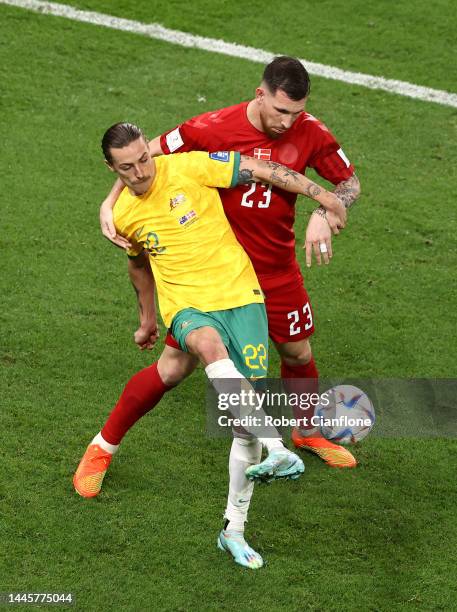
(143, 391)
(308, 383)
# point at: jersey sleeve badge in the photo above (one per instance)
(222, 156)
(174, 140)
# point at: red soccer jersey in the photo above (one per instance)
(262, 217)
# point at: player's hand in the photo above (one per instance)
(334, 221)
(336, 215)
(318, 240)
(108, 229)
(146, 337)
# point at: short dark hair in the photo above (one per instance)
(289, 74)
(118, 136)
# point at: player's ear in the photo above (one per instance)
(260, 94)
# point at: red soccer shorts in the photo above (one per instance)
(290, 317)
(289, 312)
(170, 341)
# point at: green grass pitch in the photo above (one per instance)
(381, 537)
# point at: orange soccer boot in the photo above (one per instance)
(333, 454)
(91, 471)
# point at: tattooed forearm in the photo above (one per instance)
(269, 172)
(275, 178)
(245, 176)
(348, 191)
(313, 190)
(281, 175)
(252, 170)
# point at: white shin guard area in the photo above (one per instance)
(244, 452)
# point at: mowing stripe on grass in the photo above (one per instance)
(213, 45)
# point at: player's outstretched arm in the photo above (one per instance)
(106, 208)
(258, 171)
(143, 282)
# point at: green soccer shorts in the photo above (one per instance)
(243, 330)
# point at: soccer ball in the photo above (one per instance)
(345, 414)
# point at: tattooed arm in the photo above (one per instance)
(348, 191)
(143, 282)
(257, 171)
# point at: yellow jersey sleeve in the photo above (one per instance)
(219, 169)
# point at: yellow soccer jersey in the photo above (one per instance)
(195, 257)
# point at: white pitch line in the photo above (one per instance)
(213, 45)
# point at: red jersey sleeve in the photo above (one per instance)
(328, 158)
(196, 134)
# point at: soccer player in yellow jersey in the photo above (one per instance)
(179, 221)
(209, 296)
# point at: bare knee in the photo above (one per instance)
(206, 344)
(295, 353)
(175, 365)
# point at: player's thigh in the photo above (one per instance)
(289, 312)
(206, 344)
(201, 334)
(174, 365)
(248, 339)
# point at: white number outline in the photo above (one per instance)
(265, 200)
(293, 331)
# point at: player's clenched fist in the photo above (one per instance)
(146, 337)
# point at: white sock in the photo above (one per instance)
(272, 444)
(223, 369)
(100, 440)
(244, 452)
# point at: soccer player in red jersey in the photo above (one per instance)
(273, 126)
